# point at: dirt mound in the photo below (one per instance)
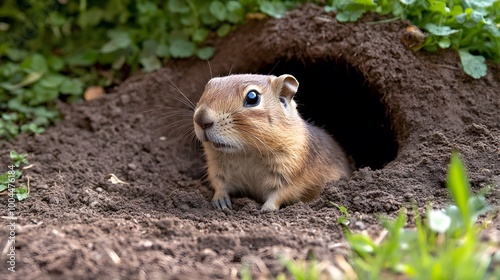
(399, 114)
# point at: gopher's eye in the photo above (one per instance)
(252, 99)
(283, 101)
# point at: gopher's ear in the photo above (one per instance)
(286, 86)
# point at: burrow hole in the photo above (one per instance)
(338, 98)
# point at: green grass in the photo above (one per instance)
(9, 179)
(344, 218)
(299, 270)
(444, 244)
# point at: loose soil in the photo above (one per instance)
(399, 114)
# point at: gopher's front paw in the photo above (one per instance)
(268, 207)
(222, 201)
(272, 203)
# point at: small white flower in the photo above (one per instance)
(439, 221)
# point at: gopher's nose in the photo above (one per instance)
(203, 119)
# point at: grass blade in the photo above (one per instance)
(458, 184)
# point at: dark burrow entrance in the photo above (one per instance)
(338, 98)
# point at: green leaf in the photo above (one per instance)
(218, 10)
(460, 18)
(341, 208)
(119, 40)
(16, 55)
(457, 223)
(492, 28)
(72, 86)
(147, 10)
(205, 53)
(439, 7)
(56, 19)
(28, 80)
(146, 7)
(4, 181)
(476, 16)
(407, 2)
(223, 30)
(17, 174)
(352, 16)
(91, 17)
(274, 9)
(83, 58)
(9, 69)
(200, 35)
(149, 48)
(10, 117)
(44, 115)
(188, 20)
(444, 42)
(150, 63)
(353, 10)
(162, 50)
(182, 48)
(52, 81)
(330, 9)
(39, 63)
(40, 95)
(8, 129)
(55, 63)
(208, 19)
(35, 63)
(178, 6)
(440, 30)
(478, 206)
(21, 193)
(362, 244)
(473, 65)
(236, 12)
(482, 3)
(32, 128)
(109, 47)
(342, 220)
(18, 159)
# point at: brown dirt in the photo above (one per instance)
(399, 114)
